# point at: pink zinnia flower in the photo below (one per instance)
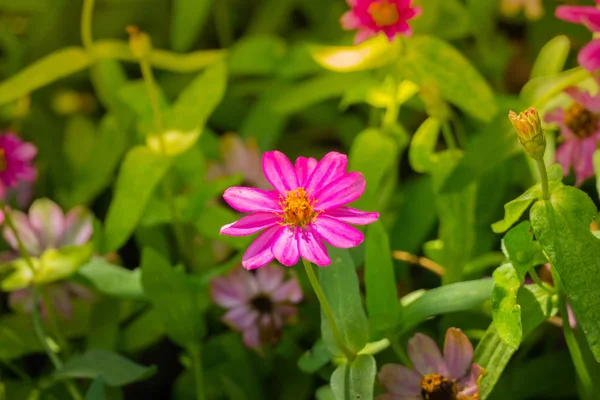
(589, 16)
(580, 126)
(306, 207)
(259, 305)
(436, 376)
(373, 16)
(16, 159)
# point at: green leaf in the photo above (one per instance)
(422, 146)
(522, 250)
(505, 310)
(142, 332)
(431, 59)
(176, 298)
(562, 226)
(314, 359)
(187, 19)
(114, 280)
(96, 390)
(367, 146)
(51, 68)
(371, 54)
(104, 324)
(446, 299)
(380, 282)
(355, 381)
(551, 59)
(114, 369)
(140, 173)
(340, 285)
(256, 55)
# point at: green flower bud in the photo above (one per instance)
(530, 133)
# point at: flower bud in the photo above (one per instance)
(529, 129)
(139, 42)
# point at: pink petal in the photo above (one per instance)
(252, 337)
(425, 356)
(458, 353)
(26, 152)
(583, 97)
(269, 278)
(566, 154)
(363, 35)
(285, 247)
(468, 385)
(289, 291)
(337, 233)
(304, 167)
(250, 224)
(352, 215)
(259, 252)
(343, 190)
(399, 380)
(312, 248)
(576, 14)
(350, 21)
(279, 171)
(48, 221)
(556, 116)
(226, 293)
(331, 167)
(245, 199)
(78, 227)
(584, 166)
(241, 317)
(589, 56)
(26, 233)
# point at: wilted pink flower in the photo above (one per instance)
(435, 376)
(580, 127)
(240, 157)
(306, 207)
(371, 17)
(44, 228)
(259, 305)
(589, 16)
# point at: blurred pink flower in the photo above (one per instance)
(259, 305)
(435, 376)
(47, 227)
(580, 126)
(371, 17)
(239, 157)
(16, 159)
(306, 207)
(589, 16)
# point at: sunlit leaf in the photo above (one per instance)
(373, 53)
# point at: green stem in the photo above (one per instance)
(196, 355)
(448, 136)
(391, 113)
(327, 310)
(152, 88)
(86, 24)
(52, 317)
(39, 331)
(544, 178)
(540, 283)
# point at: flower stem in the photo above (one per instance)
(86, 24)
(39, 331)
(327, 310)
(196, 355)
(544, 178)
(534, 275)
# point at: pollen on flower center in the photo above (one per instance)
(384, 13)
(436, 387)
(581, 121)
(298, 208)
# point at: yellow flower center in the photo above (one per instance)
(581, 121)
(436, 387)
(298, 209)
(2, 160)
(384, 13)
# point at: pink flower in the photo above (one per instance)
(435, 376)
(258, 304)
(373, 16)
(580, 127)
(306, 207)
(589, 16)
(16, 159)
(60, 293)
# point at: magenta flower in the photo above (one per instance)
(371, 17)
(435, 376)
(16, 159)
(589, 16)
(580, 127)
(259, 304)
(305, 209)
